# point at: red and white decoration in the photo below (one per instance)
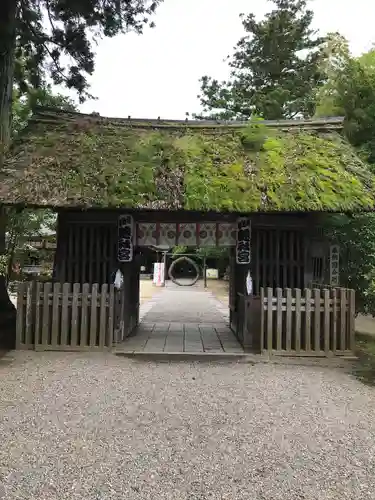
(187, 235)
(147, 234)
(168, 235)
(226, 234)
(205, 234)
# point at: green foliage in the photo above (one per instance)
(3, 264)
(21, 227)
(350, 92)
(24, 105)
(178, 250)
(356, 237)
(275, 68)
(212, 252)
(356, 96)
(201, 253)
(55, 37)
(335, 58)
(253, 136)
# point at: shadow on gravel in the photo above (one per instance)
(364, 366)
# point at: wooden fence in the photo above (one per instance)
(54, 316)
(301, 323)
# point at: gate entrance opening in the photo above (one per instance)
(189, 314)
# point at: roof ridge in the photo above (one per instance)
(43, 112)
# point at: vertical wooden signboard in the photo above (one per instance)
(334, 261)
(243, 248)
(125, 238)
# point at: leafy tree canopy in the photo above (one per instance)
(276, 68)
(57, 36)
(356, 237)
(350, 92)
(336, 55)
(24, 105)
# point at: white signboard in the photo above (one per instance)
(212, 274)
(32, 269)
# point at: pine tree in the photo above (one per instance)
(275, 68)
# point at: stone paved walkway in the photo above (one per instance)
(183, 319)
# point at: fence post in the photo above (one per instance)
(38, 290)
(93, 316)
(279, 318)
(247, 344)
(335, 319)
(20, 314)
(102, 315)
(56, 325)
(317, 310)
(288, 322)
(46, 316)
(307, 319)
(29, 340)
(83, 339)
(111, 311)
(351, 307)
(269, 320)
(343, 308)
(327, 329)
(262, 338)
(298, 320)
(64, 314)
(75, 315)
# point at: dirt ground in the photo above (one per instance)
(218, 288)
(365, 324)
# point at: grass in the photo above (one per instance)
(364, 367)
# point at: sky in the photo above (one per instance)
(157, 74)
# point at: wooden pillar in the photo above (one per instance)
(7, 309)
(241, 270)
(129, 267)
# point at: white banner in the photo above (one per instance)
(158, 278)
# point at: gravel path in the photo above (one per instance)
(97, 427)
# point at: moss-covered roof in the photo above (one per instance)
(74, 160)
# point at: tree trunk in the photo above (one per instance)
(7, 309)
(7, 47)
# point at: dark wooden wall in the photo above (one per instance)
(279, 258)
(86, 251)
(87, 247)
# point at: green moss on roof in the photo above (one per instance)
(78, 160)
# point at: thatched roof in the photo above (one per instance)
(73, 160)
